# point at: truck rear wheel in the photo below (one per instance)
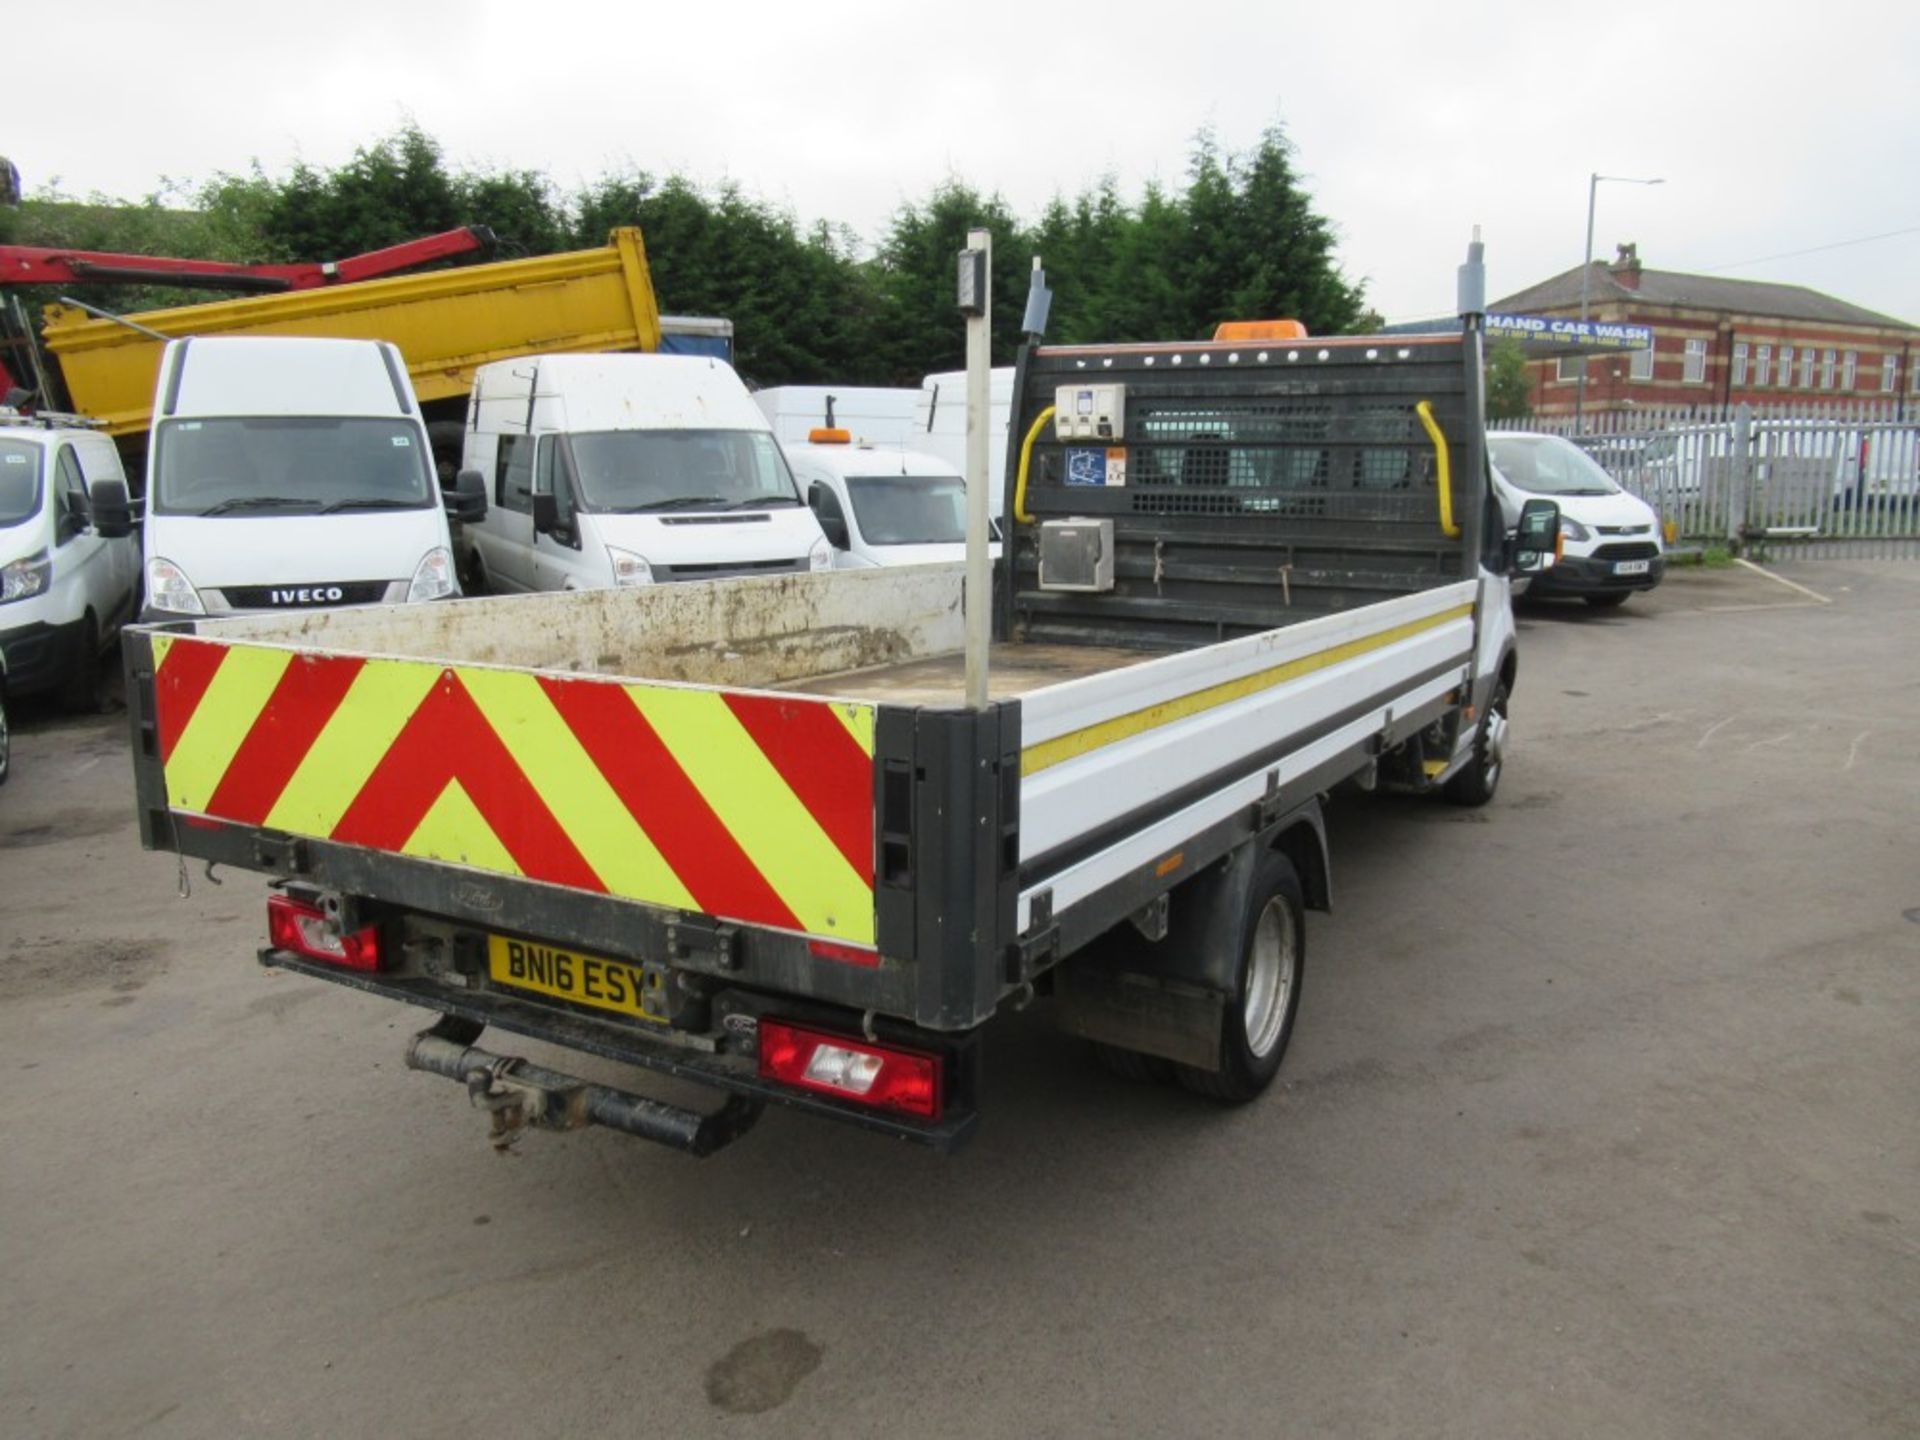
(1257, 1021)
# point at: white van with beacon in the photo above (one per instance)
(880, 505)
(607, 470)
(288, 473)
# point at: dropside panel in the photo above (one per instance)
(748, 807)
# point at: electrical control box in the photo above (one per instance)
(1090, 412)
(1076, 555)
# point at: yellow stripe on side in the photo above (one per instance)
(454, 830)
(1047, 753)
(583, 803)
(375, 709)
(766, 819)
(161, 644)
(238, 693)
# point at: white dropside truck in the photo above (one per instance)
(747, 834)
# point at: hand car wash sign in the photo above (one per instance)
(1557, 331)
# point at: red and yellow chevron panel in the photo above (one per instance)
(754, 808)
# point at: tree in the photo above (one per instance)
(1509, 391)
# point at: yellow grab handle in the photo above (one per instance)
(1425, 411)
(1026, 453)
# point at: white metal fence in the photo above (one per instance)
(1753, 475)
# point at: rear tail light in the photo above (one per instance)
(306, 930)
(882, 1076)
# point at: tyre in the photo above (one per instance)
(6, 742)
(1476, 781)
(82, 694)
(1609, 600)
(1258, 1018)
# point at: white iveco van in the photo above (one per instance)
(291, 473)
(628, 470)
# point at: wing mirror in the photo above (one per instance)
(1535, 542)
(112, 510)
(467, 500)
(826, 509)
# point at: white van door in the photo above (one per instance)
(560, 559)
(505, 538)
(100, 461)
(83, 563)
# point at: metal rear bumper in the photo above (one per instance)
(736, 1074)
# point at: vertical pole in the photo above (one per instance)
(1586, 286)
(1740, 501)
(979, 591)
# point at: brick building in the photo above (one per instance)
(1720, 342)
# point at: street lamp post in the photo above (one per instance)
(1586, 282)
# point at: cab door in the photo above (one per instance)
(82, 568)
(121, 558)
(505, 538)
(560, 557)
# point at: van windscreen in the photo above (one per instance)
(307, 464)
(19, 481)
(628, 471)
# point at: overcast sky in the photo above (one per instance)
(1777, 128)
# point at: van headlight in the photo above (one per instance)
(433, 577)
(1574, 530)
(820, 556)
(26, 577)
(169, 589)
(629, 568)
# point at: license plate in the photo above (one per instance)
(616, 985)
(1631, 567)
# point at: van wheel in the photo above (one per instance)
(82, 694)
(1258, 1019)
(1476, 781)
(6, 742)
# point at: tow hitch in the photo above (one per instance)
(516, 1093)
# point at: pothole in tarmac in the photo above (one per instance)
(47, 965)
(760, 1373)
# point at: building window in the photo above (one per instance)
(1696, 366)
(1642, 368)
(1763, 369)
(1889, 373)
(1850, 370)
(1571, 367)
(1826, 370)
(1786, 366)
(1806, 368)
(1740, 363)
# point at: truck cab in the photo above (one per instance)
(620, 470)
(290, 474)
(879, 505)
(65, 588)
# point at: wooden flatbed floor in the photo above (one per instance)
(1012, 669)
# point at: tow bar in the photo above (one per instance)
(516, 1093)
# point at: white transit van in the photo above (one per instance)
(65, 587)
(872, 414)
(628, 470)
(291, 474)
(883, 506)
